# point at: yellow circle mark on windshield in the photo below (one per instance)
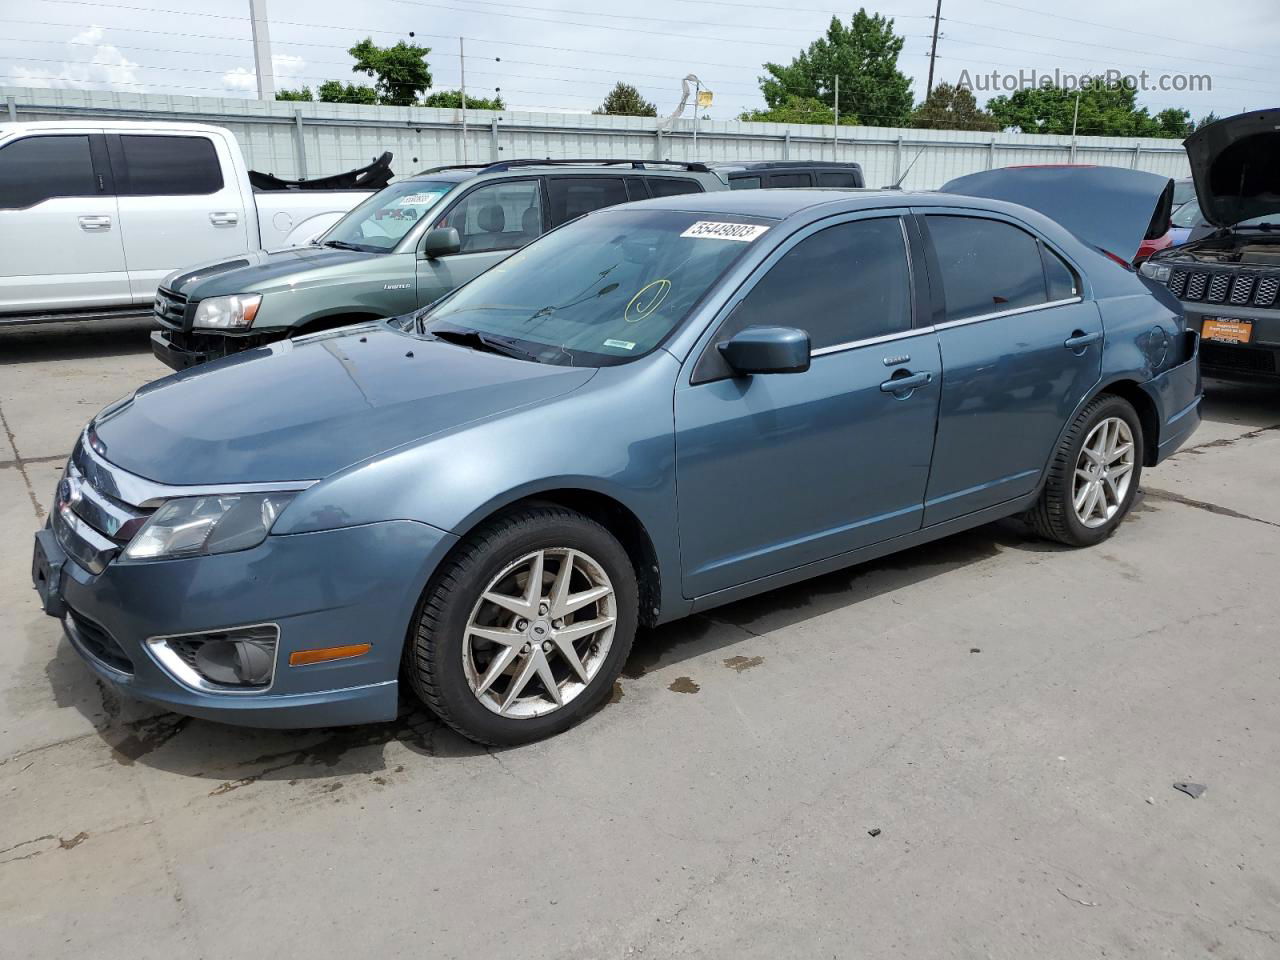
(645, 302)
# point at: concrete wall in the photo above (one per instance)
(313, 139)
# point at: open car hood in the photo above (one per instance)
(1235, 163)
(1109, 207)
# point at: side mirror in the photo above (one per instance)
(441, 242)
(767, 350)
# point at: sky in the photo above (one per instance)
(565, 55)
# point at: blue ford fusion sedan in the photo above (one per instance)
(652, 410)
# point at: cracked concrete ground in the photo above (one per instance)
(1009, 716)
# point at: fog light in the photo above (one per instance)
(240, 660)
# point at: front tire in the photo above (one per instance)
(1093, 476)
(523, 630)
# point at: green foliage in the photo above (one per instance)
(864, 55)
(401, 71)
(952, 108)
(302, 93)
(1106, 110)
(453, 100)
(335, 91)
(1204, 121)
(799, 110)
(624, 100)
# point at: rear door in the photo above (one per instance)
(1020, 350)
(493, 220)
(179, 204)
(59, 225)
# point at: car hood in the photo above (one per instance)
(1108, 207)
(304, 409)
(250, 272)
(1235, 163)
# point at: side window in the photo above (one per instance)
(573, 196)
(498, 216)
(744, 183)
(672, 186)
(791, 180)
(844, 283)
(837, 180)
(168, 166)
(636, 190)
(986, 265)
(1059, 276)
(34, 169)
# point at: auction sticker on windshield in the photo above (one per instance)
(713, 230)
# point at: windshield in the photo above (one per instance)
(603, 290)
(382, 220)
(1187, 215)
(1183, 191)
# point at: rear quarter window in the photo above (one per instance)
(672, 186)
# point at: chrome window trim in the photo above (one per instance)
(147, 494)
(1007, 313)
(168, 660)
(871, 341)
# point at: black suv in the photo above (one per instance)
(771, 174)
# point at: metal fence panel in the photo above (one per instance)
(332, 137)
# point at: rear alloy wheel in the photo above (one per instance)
(525, 627)
(1093, 476)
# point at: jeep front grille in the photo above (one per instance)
(1235, 288)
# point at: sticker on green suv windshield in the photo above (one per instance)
(714, 230)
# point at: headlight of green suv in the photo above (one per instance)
(198, 526)
(236, 312)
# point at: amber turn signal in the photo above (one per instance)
(300, 658)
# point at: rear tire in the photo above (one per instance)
(503, 660)
(1093, 475)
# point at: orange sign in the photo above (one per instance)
(1225, 330)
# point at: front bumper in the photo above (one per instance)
(178, 351)
(350, 585)
(1258, 359)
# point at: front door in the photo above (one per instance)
(59, 226)
(493, 221)
(1020, 350)
(775, 471)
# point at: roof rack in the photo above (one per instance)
(452, 166)
(503, 165)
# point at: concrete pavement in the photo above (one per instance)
(1009, 716)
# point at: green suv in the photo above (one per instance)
(404, 247)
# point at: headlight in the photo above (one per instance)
(228, 313)
(218, 523)
(1156, 271)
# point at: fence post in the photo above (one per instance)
(897, 160)
(991, 154)
(493, 140)
(657, 144)
(13, 109)
(300, 143)
(786, 145)
(1137, 150)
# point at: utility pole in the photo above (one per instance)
(835, 133)
(262, 49)
(933, 50)
(462, 61)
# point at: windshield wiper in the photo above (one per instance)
(482, 341)
(343, 245)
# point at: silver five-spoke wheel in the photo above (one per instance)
(1103, 472)
(540, 633)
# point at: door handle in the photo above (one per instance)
(223, 216)
(95, 223)
(1079, 340)
(902, 387)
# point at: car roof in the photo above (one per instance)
(784, 165)
(779, 204)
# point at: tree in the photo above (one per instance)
(402, 72)
(1204, 121)
(453, 100)
(335, 91)
(950, 107)
(797, 110)
(864, 55)
(1106, 109)
(302, 93)
(624, 100)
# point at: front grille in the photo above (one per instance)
(1241, 359)
(92, 525)
(1234, 287)
(170, 309)
(99, 644)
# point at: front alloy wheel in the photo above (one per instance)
(524, 627)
